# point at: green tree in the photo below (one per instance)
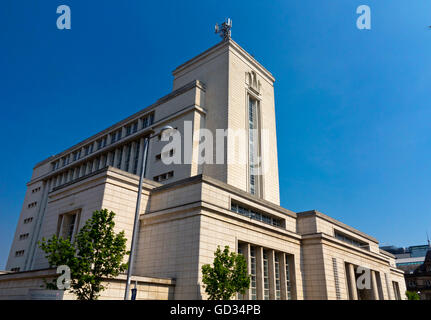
(97, 253)
(227, 276)
(411, 295)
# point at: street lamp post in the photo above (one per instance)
(138, 206)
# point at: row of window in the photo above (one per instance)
(19, 253)
(103, 142)
(23, 236)
(351, 240)
(125, 157)
(169, 154)
(32, 205)
(28, 220)
(252, 214)
(35, 190)
(16, 269)
(265, 271)
(164, 176)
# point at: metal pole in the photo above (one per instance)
(136, 224)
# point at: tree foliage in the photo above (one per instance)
(96, 253)
(228, 275)
(411, 295)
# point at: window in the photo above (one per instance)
(19, 253)
(132, 128)
(265, 275)
(128, 130)
(97, 163)
(68, 224)
(104, 160)
(396, 290)
(350, 240)
(101, 143)
(167, 133)
(16, 269)
(168, 154)
(23, 236)
(77, 155)
(164, 176)
(288, 284)
(253, 214)
(32, 205)
(253, 288)
(253, 142)
(120, 156)
(136, 160)
(277, 277)
(116, 136)
(113, 137)
(28, 220)
(35, 190)
(145, 122)
(88, 149)
(128, 152)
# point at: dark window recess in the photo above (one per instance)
(255, 215)
(351, 241)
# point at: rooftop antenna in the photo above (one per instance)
(428, 240)
(224, 29)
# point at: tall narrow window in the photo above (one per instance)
(253, 290)
(128, 151)
(277, 277)
(265, 275)
(68, 224)
(288, 286)
(135, 161)
(253, 142)
(120, 156)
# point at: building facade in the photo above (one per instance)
(213, 182)
(410, 258)
(420, 279)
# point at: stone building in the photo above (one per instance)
(420, 279)
(190, 208)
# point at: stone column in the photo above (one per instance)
(283, 276)
(374, 285)
(259, 273)
(352, 278)
(271, 274)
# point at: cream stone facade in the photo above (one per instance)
(190, 208)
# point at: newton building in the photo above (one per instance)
(190, 208)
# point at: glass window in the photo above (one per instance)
(265, 275)
(253, 287)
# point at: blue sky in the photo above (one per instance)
(353, 106)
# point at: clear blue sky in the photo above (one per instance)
(353, 107)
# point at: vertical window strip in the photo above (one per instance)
(253, 289)
(265, 275)
(336, 279)
(277, 277)
(289, 291)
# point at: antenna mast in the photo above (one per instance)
(224, 29)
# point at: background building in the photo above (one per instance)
(410, 258)
(420, 279)
(189, 209)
